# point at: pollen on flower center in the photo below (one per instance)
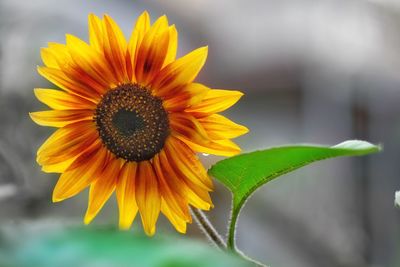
(131, 122)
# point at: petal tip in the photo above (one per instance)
(181, 230)
(124, 227)
(37, 91)
(56, 198)
(33, 117)
(204, 49)
(88, 218)
(150, 231)
(245, 130)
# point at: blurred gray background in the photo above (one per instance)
(312, 72)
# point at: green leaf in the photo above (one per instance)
(244, 173)
(26, 247)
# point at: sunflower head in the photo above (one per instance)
(130, 119)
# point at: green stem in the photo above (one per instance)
(208, 228)
(232, 230)
(231, 244)
(245, 257)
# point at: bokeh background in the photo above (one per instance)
(312, 72)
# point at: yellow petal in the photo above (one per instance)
(115, 48)
(215, 101)
(180, 72)
(102, 188)
(60, 100)
(219, 127)
(147, 196)
(225, 148)
(141, 27)
(126, 195)
(172, 46)
(152, 52)
(61, 118)
(198, 197)
(58, 167)
(89, 166)
(177, 222)
(55, 56)
(96, 32)
(48, 58)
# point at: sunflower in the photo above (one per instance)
(130, 119)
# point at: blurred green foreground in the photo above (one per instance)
(26, 246)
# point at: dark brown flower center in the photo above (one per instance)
(131, 122)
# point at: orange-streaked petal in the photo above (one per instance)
(86, 168)
(185, 159)
(191, 191)
(177, 222)
(72, 150)
(126, 195)
(104, 156)
(188, 126)
(152, 52)
(219, 127)
(59, 78)
(189, 130)
(60, 100)
(91, 62)
(115, 48)
(64, 62)
(174, 179)
(61, 118)
(68, 132)
(141, 27)
(215, 101)
(102, 188)
(182, 98)
(148, 196)
(169, 188)
(47, 152)
(67, 142)
(194, 194)
(180, 72)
